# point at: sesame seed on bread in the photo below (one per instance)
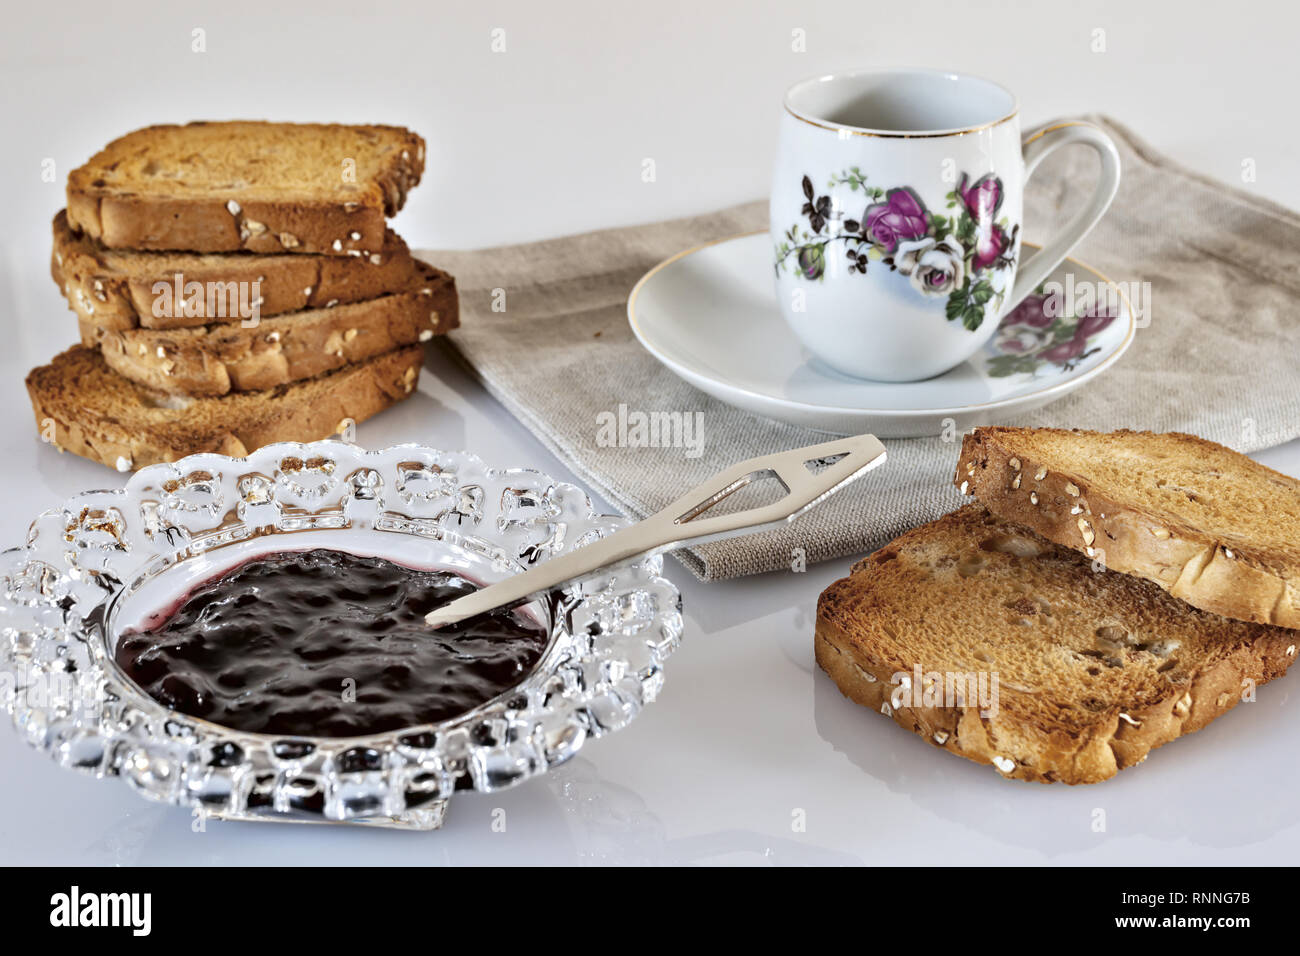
(1206, 523)
(247, 186)
(1094, 668)
(217, 359)
(117, 288)
(103, 416)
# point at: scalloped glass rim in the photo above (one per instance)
(60, 590)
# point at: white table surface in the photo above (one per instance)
(548, 138)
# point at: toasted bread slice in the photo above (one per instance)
(1093, 668)
(98, 414)
(217, 359)
(1207, 524)
(117, 290)
(247, 186)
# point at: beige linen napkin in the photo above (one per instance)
(545, 328)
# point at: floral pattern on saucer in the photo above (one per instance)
(955, 256)
(1038, 335)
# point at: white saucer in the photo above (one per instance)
(710, 315)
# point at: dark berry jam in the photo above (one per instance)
(327, 644)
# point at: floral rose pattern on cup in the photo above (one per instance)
(954, 256)
(935, 266)
(983, 199)
(1037, 333)
(900, 217)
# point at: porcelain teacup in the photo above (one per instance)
(896, 217)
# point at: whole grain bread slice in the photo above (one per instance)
(1207, 524)
(218, 359)
(247, 186)
(1093, 668)
(116, 289)
(86, 408)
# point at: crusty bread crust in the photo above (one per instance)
(215, 360)
(114, 290)
(102, 416)
(346, 220)
(876, 623)
(1227, 578)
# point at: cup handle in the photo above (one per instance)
(1052, 254)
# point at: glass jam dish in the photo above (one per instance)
(94, 567)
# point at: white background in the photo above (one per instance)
(548, 138)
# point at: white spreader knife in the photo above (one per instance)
(809, 475)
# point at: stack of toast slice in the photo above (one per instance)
(1112, 591)
(236, 284)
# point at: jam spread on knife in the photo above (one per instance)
(328, 644)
